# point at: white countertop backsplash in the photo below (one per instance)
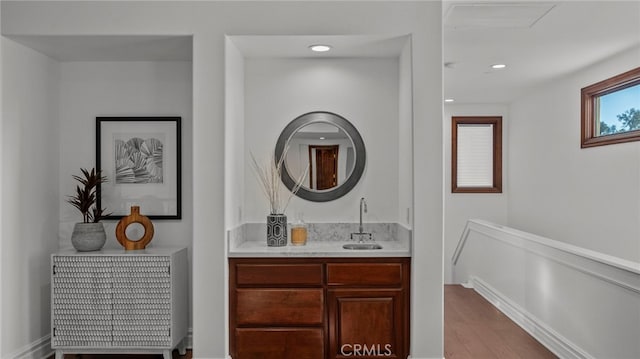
(323, 240)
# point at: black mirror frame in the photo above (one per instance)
(352, 132)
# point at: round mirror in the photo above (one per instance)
(329, 148)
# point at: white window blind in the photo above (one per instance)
(475, 155)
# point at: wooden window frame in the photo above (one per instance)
(589, 94)
(496, 121)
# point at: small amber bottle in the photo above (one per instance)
(299, 232)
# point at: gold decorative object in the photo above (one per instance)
(134, 217)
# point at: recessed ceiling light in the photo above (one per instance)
(320, 48)
(448, 100)
(322, 138)
(498, 66)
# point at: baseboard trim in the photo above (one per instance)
(548, 337)
(188, 341)
(41, 348)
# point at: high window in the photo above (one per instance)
(611, 110)
(476, 154)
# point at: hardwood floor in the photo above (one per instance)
(475, 329)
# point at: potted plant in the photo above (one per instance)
(88, 235)
(269, 176)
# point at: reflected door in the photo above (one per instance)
(324, 167)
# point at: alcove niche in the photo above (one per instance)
(54, 87)
(270, 80)
(116, 76)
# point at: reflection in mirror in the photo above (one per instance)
(332, 149)
(328, 152)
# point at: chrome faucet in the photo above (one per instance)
(363, 204)
(362, 235)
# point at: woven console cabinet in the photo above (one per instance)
(116, 301)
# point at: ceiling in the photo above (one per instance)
(341, 46)
(539, 41)
(110, 48)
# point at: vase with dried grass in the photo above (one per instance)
(269, 176)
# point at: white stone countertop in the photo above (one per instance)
(325, 240)
(320, 249)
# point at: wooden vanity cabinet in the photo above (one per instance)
(320, 308)
(277, 309)
(368, 307)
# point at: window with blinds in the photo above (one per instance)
(476, 157)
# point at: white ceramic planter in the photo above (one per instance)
(87, 237)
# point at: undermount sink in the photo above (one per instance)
(362, 246)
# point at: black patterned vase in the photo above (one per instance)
(276, 230)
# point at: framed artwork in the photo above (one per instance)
(141, 158)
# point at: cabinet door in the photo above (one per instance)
(81, 302)
(366, 323)
(141, 301)
(279, 343)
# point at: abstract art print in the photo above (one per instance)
(140, 156)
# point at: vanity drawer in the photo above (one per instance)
(361, 274)
(275, 307)
(280, 343)
(278, 274)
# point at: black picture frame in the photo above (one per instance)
(141, 158)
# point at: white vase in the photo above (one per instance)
(87, 237)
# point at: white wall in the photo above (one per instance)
(460, 207)
(362, 90)
(1, 184)
(30, 165)
(405, 140)
(91, 89)
(234, 135)
(209, 22)
(586, 197)
(426, 267)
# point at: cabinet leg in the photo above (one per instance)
(59, 354)
(182, 347)
(166, 354)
